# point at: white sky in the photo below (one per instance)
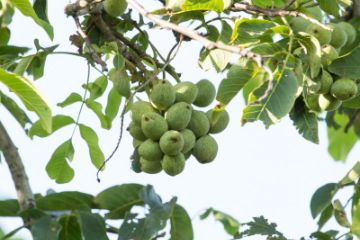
(257, 172)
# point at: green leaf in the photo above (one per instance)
(40, 7)
(37, 65)
(261, 226)
(312, 49)
(277, 104)
(180, 224)
(121, 81)
(92, 226)
(238, 75)
(72, 98)
(58, 167)
(92, 140)
(325, 216)
(249, 31)
(352, 103)
(330, 6)
(26, 9)
(112, 106)
(65, 201)
(23, 65)
(321, 199)
(30, 96)
(347, 65)
(9, 208)
(306, 122)
(70, 228)
(58, 122)
(352, 175)
(97, 88)
(340, 214)
(269, 3)
(45, 228)
(231, 225)
(340, 142)
(12, 233)
(16, 111)
(119, 199)
(96, 107)
(196, 5)
(149, 196)
(355, 213)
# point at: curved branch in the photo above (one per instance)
(24, 193)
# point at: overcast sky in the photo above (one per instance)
(270, 172)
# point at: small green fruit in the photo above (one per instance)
(328, 54)
(178, 115)
(150, 150)
(206, 93)
(173, 165)
(199, 123)
(186, 92)
(172, 143)
(312, 102)
(136, 132)
(338, 36)
(299, 24)
(187, 154)
(328, 103)
(344, 89)
(115, 8)
(205, 149)
(350, 32)
(136, 142)
(138, 109)
(153, 125)
(326, 82)
(219, 119)
(151, 167)
(162, 95)
(189, 140)
(322, 34)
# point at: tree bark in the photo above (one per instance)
(356, 8)
(25, 195)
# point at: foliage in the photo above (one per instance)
(284, 56)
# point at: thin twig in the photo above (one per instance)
(351, 121)
(93, 52)
(275, 13)
(24, 193)
(139, 88)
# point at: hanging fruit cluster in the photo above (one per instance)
(167, 130)
(324, 91)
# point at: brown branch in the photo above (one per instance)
(356, 8)
(240, 7)
(93, 52)
(23, 190)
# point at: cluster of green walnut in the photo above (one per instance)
(167, 130)
(327, 91)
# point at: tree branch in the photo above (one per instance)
(356, 8)
(24, 193)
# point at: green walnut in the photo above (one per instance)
(199, 123)
(322, 34)
(205, 149)
(328, 54)
(187, 154)
(162, 95)
(136, 142)
(153, 125)
(206, 93)
(138, 109)
(299, 24)
(328, 103)
(186, 92)
(150, 150)
(350, 32)
(115, 8)
(219, 120)
(173, 165)
(338, 36)
(325, 82)
(312, 102)
(344, 89)
(151, 167)
(178, 115)
(172, 143)
(136, 132)
(189, 140)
